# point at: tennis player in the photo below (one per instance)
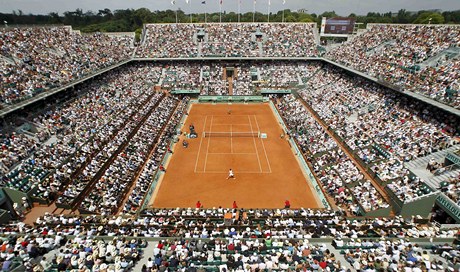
(231, 174)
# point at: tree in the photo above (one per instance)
(427, 17)
(54, 18)
(329, 14)
(403, 17)
(452, 17)
(107, 13)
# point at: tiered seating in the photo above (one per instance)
(140, 191)
(228, 40)
(338, 174)
(395, 53)
(82, 127)
(110, 189)
(385, 130)
(388, 255)
(42, 58)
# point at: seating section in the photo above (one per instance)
(81, 138)
(228, 40)
(34, 60)
(390, 255)
(403, 55)
(340, 177)
(384, 129)
(207, 239)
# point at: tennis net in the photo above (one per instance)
(209, 134)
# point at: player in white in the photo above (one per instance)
(230, 174)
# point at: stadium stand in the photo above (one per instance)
(43, 58)
(228, 40)
(417, 58)
(358, 112)
(96, 155)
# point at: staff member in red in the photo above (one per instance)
(198, 204)
(287, 204)
(235, 206)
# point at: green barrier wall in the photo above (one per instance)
(230, 99)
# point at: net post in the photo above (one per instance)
(204, 134)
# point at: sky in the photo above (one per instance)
(341, 7)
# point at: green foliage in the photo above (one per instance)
(129, 20)
(429, 17)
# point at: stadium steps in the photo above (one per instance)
(7, 60)
(447, 54)
(313, 75)
(418, 167)
(230, 85)
(380, 46)
(200, 49)
(147, 253)
(261, 49)
(299, 78)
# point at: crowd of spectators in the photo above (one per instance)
(389, 255)
(92, 254)
(82, 127)
(340, 177)
(27, 250)
(451, 188)
(194, 223)
(146, 176)
(110, 189)
(228, 40)
(79, 253)
(15, 147)
(169, 41)
(243, 82)
(242, 255)
(214, 80)
(117, 139)
(384, 129)
(400, 54)
(200, 238)
(38, 59)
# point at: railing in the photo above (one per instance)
(446, 169)
(449, 205)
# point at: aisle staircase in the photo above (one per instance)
(418, 167)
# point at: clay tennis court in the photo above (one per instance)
(267, 172)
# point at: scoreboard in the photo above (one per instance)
(338, 25)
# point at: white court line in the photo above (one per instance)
(231, 124)
(207, 148)
(239, 172)
(199, 148)
(232, 153)
(255, 146)
(231, 139)
(265, 151)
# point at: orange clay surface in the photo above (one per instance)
(266, 170)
